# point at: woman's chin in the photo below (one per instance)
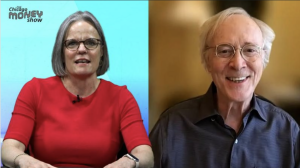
(81, 74)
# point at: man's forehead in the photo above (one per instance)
(238, 19)
(235, 27)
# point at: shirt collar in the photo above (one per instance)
(208, 106)
(258, 107)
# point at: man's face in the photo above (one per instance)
(236, 78)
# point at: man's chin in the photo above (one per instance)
(240, 97)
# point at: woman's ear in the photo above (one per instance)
(101, 51)
(63, 59)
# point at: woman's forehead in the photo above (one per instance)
(81, 29)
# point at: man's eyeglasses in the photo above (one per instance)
(89, 44)
(249, 52)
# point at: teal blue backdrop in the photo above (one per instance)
(26, 47)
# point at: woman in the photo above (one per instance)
(75, 119)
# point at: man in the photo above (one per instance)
(229, 126)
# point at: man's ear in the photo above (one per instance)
(208, 67)
(263, 55)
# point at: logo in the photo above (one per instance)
(18, 13)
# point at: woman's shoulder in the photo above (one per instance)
(43, 81)
(111, 88)
(36, 85)
(110, 85)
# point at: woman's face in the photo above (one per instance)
(82, 62)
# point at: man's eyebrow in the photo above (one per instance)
(249, 43)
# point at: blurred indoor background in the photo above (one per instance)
(175, 69)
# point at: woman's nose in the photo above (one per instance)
(81, 47)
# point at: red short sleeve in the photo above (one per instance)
(23, 116)
(132, 128)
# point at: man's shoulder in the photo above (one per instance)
(183, 108)
(274, 113)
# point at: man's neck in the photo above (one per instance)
(233, 112)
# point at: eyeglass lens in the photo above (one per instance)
(249, 52)
(73, 44)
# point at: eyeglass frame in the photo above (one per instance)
(234, 50)
(82, 41)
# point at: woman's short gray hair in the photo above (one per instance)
(58, 64)
(209, 27)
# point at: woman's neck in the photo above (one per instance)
(81, 86)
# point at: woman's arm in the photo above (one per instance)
(10, 149)
(142, 152)
(13, 156)
(145, 155)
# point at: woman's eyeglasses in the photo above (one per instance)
(89, 44)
